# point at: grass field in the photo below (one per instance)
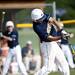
(28, 34)
(72, 72)
(72, 41)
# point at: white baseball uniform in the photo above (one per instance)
(16, 51)
(68, 54)
(50, 50)
(66, 49)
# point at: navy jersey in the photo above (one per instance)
(41, 29)
(64, 41)
(25, 51)
(14, 36)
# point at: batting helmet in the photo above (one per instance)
(29, 42)
(37, 14)
(9, 23)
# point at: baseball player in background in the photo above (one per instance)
(11, 35)
(43, 25)
(65, 45)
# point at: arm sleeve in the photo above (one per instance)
(5, 33)
(33, 52)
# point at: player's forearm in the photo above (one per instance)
(54, 22)
(7, 38)
(57, 25)
(51, 38)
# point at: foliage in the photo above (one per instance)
(68, 5)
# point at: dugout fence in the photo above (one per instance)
(22, 15)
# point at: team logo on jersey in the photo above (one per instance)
(14, 37)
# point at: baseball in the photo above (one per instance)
(3, 12)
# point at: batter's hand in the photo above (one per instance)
(71, 35)
(51, 20)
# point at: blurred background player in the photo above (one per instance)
(4, 52)
(27, 50)
(27, 54)
(11, 35)
(30, 59)
(43, 26)
(65, 46)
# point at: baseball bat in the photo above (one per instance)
(2, 21)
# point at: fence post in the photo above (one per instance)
(54, 9)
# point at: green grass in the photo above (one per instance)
(29, 34)
(72, 72)
(72, 41)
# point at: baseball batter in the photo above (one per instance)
(11, 35)
(43, 26)
(65, 46)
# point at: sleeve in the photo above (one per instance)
(33, 52)
(23, 51)
(5, 33)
